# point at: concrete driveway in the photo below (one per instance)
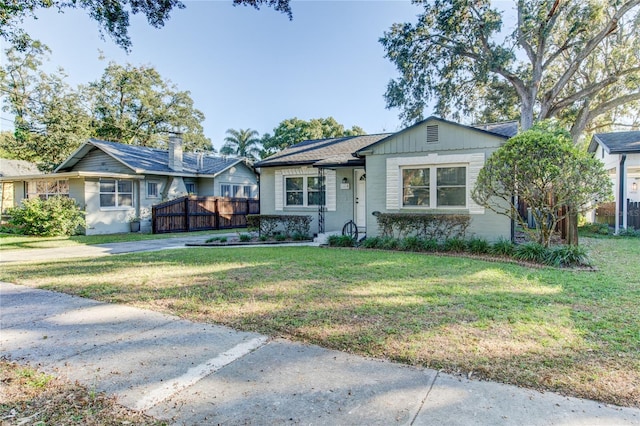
(192, 373)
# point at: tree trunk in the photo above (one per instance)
(526, 112)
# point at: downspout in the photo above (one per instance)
(621, 196)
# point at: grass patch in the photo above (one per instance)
(22, 242)
(545, 328)
(31, 397)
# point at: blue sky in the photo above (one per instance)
(248, 68)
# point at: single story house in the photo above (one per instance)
(620, 154)
(114, 182)
(430, 167)
(13, 168)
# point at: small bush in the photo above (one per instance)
(532, 252)
(245, 238)
(478, 246)
(223, 239)
(456, 245)
(430, 245)
(54, 216)
(299, 236)
(568, 255)
(263, 238)
(411, 244)
(503, 247)
(423, 225)
(371, 242)
(280, 237)
(341, 241)
(388, 243)
(629, 232)
(212, 240)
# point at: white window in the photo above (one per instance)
(225, 190)
(450, 186)
(304, 191)
(116, 193)
(48, 188)
(152, 189)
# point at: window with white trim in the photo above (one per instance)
(48, 188)
(116, 193)
(153, 189)
(304, 191)
(449, 191)
(190, 187)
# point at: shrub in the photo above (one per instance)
(629, 232)
(388, 243)
(411, 244)
(371, 242)
(503, 247)
(299, 236)
(435, 226)
(341, 241)
(212, 240)
(223, 239)
(245, 238)
(569, 255)
(52, 217)
(280, 237)
(532, 252)
(263, 238)
(456, 245)
(478, 246)
(269, 225)
(430, 245)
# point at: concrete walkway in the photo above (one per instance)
(191, 373)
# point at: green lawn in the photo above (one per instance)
(21, 242)
(576, 332)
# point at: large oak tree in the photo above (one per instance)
(576, 60)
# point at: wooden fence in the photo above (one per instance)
(186, 214)
(606, 213)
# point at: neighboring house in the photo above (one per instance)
(620, 154)
(113, 182)
(430, 167)
(13, 168)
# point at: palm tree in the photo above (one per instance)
(241, 143)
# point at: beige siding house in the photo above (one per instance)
(430, 167)
(114, 182)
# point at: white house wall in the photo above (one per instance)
(339, 201)
(457, 145)
(239, 174)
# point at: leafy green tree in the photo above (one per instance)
(134, 105)
(543, 168)
(50, 118)
(293, 130)
(241, 143)
(112, 16)
(574, 60)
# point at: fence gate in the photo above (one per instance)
(187, 214)
(606, 213)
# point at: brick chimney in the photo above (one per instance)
(175, 152)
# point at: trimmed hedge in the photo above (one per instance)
(272, 225)
(438, 227)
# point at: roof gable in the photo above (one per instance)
(616, 142)
(142, 159)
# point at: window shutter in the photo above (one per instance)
(476, 162)
(393, 184)
(330, 189)
(432, 134)
(279, 190)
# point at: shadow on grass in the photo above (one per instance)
(541, 328)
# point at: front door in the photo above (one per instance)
(360, 198)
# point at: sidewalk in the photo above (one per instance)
(191, 373)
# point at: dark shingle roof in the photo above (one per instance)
(152, 160)
(617, 142)
(506, 128)
(323, 152)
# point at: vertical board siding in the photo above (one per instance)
(186, 214)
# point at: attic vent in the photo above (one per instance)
(432, 134)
